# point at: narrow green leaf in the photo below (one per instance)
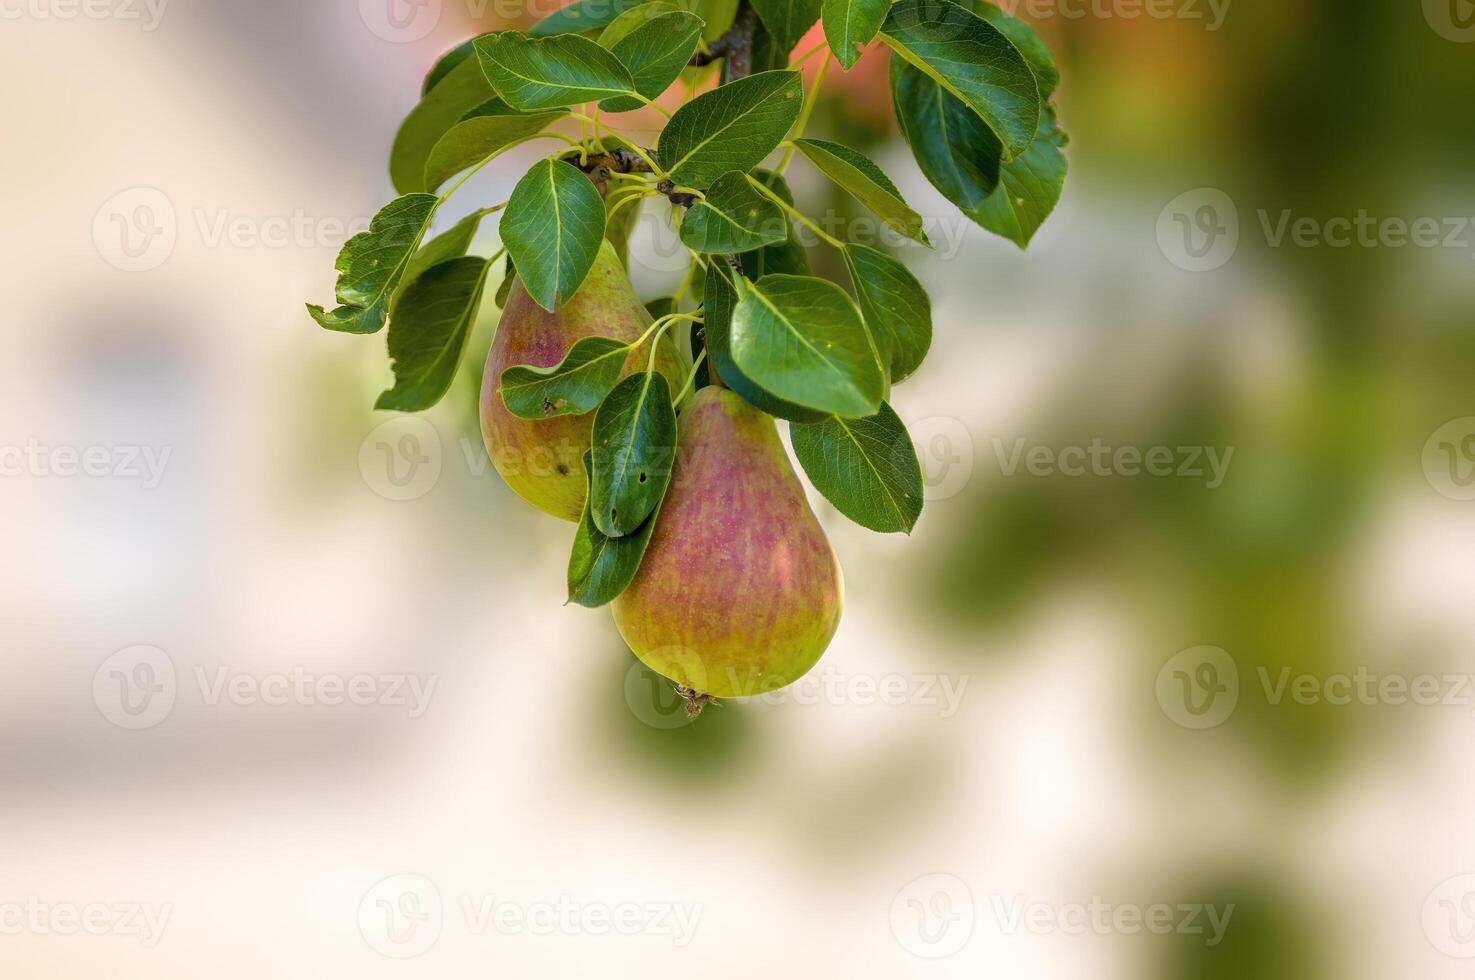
(852, 24)
(863, 180)
(463, 89)
(574, 386)
(482, 135)
(788, 20)
(552, 228)
(633, 18)
(551, 72)
(866, 467)
(372, 263)
(586, 15)
(719, 301)
(450, 244)
(634, 446)
(655, 52)
(504, 289)
(732, 127)
(601, 567)
(895, 307)
(432, 320)
(973, 60)
(733, 218)
(954, 148)
(1029, 187)
(802, 339)
(660, 306)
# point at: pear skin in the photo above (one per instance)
(740, 592)
(542, 459)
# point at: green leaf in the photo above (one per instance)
(504, 289)
(733, 218)
(628, 21)
(866, 467)
(788, 20)
(432, 320)
(601, 567)
(732, 127)
(852, 24)
(574, 386)
(716, 14)
(551, 72)
(373, 262)
(863, 180)
(655, 52)
(768, 54)
(788, 257)
(802, 339)
(481, 135)
(1035, 51)
(448, 61)
(895, 307)
(973, 60)
(451, 244)
(462, 90)
(719, 302)
(586, 15)
(954, 148)
(552, 228)
(1029, 187)
(634, 445)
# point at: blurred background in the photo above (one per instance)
(289, 685)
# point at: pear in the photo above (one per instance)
(739, 592)
(542, 459)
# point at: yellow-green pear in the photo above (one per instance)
(739, 592)
(542, 459)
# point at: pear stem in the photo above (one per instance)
(695, 701)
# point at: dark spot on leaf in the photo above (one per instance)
(642, 478)
(563, 469)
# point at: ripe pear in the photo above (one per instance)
(739, 592)
(542, 459)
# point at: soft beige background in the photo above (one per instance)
(799, 831)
